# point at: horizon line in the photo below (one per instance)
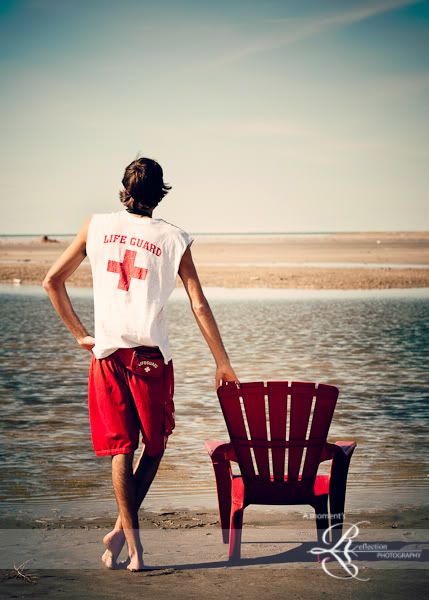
(327, 232)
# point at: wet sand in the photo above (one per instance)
(188, 558)
(332, 261)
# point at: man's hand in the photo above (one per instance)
(225, 373)
(87, 342)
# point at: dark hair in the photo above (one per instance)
(144, 186)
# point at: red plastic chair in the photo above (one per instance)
(264, 421)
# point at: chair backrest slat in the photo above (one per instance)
(326, 400)
(277, 407)
(254, 404)
(301, 400)
(229, 398)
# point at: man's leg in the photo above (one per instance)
(144, 473)
(124, 486)
(153, 402)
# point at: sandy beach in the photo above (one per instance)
(188, 559)
(332, 261)
(60, 555)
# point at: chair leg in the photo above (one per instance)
(337, 492)
(236, 527)
(337, 501)
(322, 517)
(223, 485)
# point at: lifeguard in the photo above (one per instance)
(130, 292)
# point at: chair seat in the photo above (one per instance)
(321, 484)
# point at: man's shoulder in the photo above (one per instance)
(170, 227)
(113, 213)
(103, 217)
(177, 238)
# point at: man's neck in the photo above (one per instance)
(139, 214)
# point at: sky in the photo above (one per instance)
(266, 116)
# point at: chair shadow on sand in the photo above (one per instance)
(300, 553)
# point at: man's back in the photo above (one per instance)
(134, 261)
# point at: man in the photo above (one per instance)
(135, 259)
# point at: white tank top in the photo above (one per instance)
(134, 262)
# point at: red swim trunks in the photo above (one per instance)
(121, 404)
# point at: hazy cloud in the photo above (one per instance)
(298, 30)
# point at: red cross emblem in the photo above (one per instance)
(126, 270)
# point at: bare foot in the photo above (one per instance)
(136, 563)
(114, 542)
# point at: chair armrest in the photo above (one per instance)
(345, 447)
(341, 448)
(220, 450)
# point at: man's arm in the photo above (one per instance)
(54, 284)
(205, 319)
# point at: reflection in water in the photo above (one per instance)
(373, 349)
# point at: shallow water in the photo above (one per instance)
(373, 347)
(319, 265)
